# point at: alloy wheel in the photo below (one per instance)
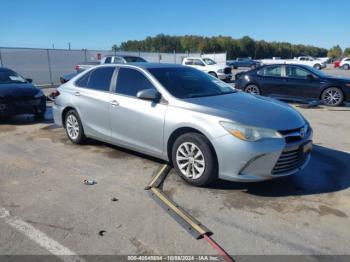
(252, 89)
(72, 126)
(332, 96)
(190, 160)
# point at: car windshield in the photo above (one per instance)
(188, 82)
(9, 76)
(316, 71)
(209, 61)
(134, 59)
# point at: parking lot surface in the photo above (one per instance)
(46, 208)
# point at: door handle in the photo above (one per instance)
(114, 103)
(77, 93)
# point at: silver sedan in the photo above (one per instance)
(204, 127)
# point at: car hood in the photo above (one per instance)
(18, 90)
(249, 110)
(338, 79)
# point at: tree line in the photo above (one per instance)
(243, 47)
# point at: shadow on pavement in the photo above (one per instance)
(328, 171)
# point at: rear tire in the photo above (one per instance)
(74, 127)
(332, 96)
(194, 159)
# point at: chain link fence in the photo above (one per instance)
(45, 66)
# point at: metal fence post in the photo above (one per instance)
(2, 64)
(49, 64)
(85, 57)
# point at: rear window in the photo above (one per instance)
(98, 79)
(274, 71)
(134, 59)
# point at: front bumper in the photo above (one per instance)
(223, 76)
(243, 161)
(23, 106)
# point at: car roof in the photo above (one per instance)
(5, 69)
(147, 65)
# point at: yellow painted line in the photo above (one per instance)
(179, 212)
(158, 175)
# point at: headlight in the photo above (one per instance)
(39, 94)
(249, 133)
(220, 70)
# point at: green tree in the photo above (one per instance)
(347, 51)
(115, 48)
(335, 52)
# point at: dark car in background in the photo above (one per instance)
(19, 96)
(294, 82)
(243, 62)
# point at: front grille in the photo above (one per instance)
(289, 160)
(227, 70)
(292, 135)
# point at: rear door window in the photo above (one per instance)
(130, 81)
(98, 79)
(189, 62)
(274, 71)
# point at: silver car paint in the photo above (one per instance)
(146, 127)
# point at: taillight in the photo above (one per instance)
(54, 94)
(77, 67)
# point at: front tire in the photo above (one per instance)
(213, 74)
(194, 159)
(252, 89)
(346, 67)
(74, 127)
(332, 96)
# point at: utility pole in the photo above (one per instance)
(68, 45)
(53, 46)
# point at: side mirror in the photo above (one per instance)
(310, 77)
(149, 94)
(29, 80)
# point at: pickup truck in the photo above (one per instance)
(209, 66)
(120, 59)
(301, 60)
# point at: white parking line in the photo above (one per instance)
(39, 237)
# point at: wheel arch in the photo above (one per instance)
(330, 86)
(179, 132)
(64, 113)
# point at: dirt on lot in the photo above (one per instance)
(41, 183)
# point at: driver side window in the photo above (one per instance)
(198, 62)
(274, 71)
(131, 81)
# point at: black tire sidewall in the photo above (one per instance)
(211, 171)
(81, 136)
